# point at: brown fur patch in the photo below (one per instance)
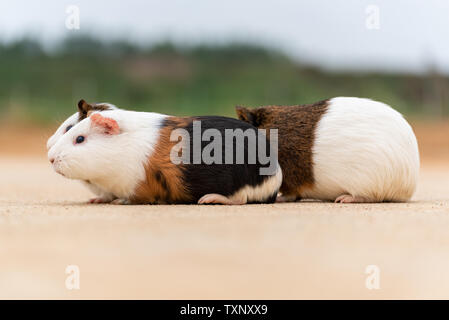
(296, 125)
(85, 109)
(164, 179)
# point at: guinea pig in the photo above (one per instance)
(139, 158)
(84, 109)
(344, 149)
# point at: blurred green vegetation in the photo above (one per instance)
(43, 87)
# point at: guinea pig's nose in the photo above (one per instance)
(52, 160)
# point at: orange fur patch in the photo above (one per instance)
(107, 125)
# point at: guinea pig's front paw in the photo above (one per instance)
(120, 201)
(100, 200)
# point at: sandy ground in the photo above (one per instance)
(298, 250)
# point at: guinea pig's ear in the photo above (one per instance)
(83, 109)
(247, 115)
(105, 125)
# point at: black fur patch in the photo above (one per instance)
(224, 179)
(161, 179)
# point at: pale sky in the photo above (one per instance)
(412, 34)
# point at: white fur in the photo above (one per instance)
(259, 193)
(114, 164)
(103, 196)
(365, 149)
(70, 121)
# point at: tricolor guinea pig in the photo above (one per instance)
(142, 157)
(342, 149)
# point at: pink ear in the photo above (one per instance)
(107, 125)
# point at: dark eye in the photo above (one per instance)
(68, 128)
(80, 139)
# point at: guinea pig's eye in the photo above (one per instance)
(68, 128)
(80, 139)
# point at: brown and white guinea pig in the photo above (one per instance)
(342, 149)
(126, 157)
